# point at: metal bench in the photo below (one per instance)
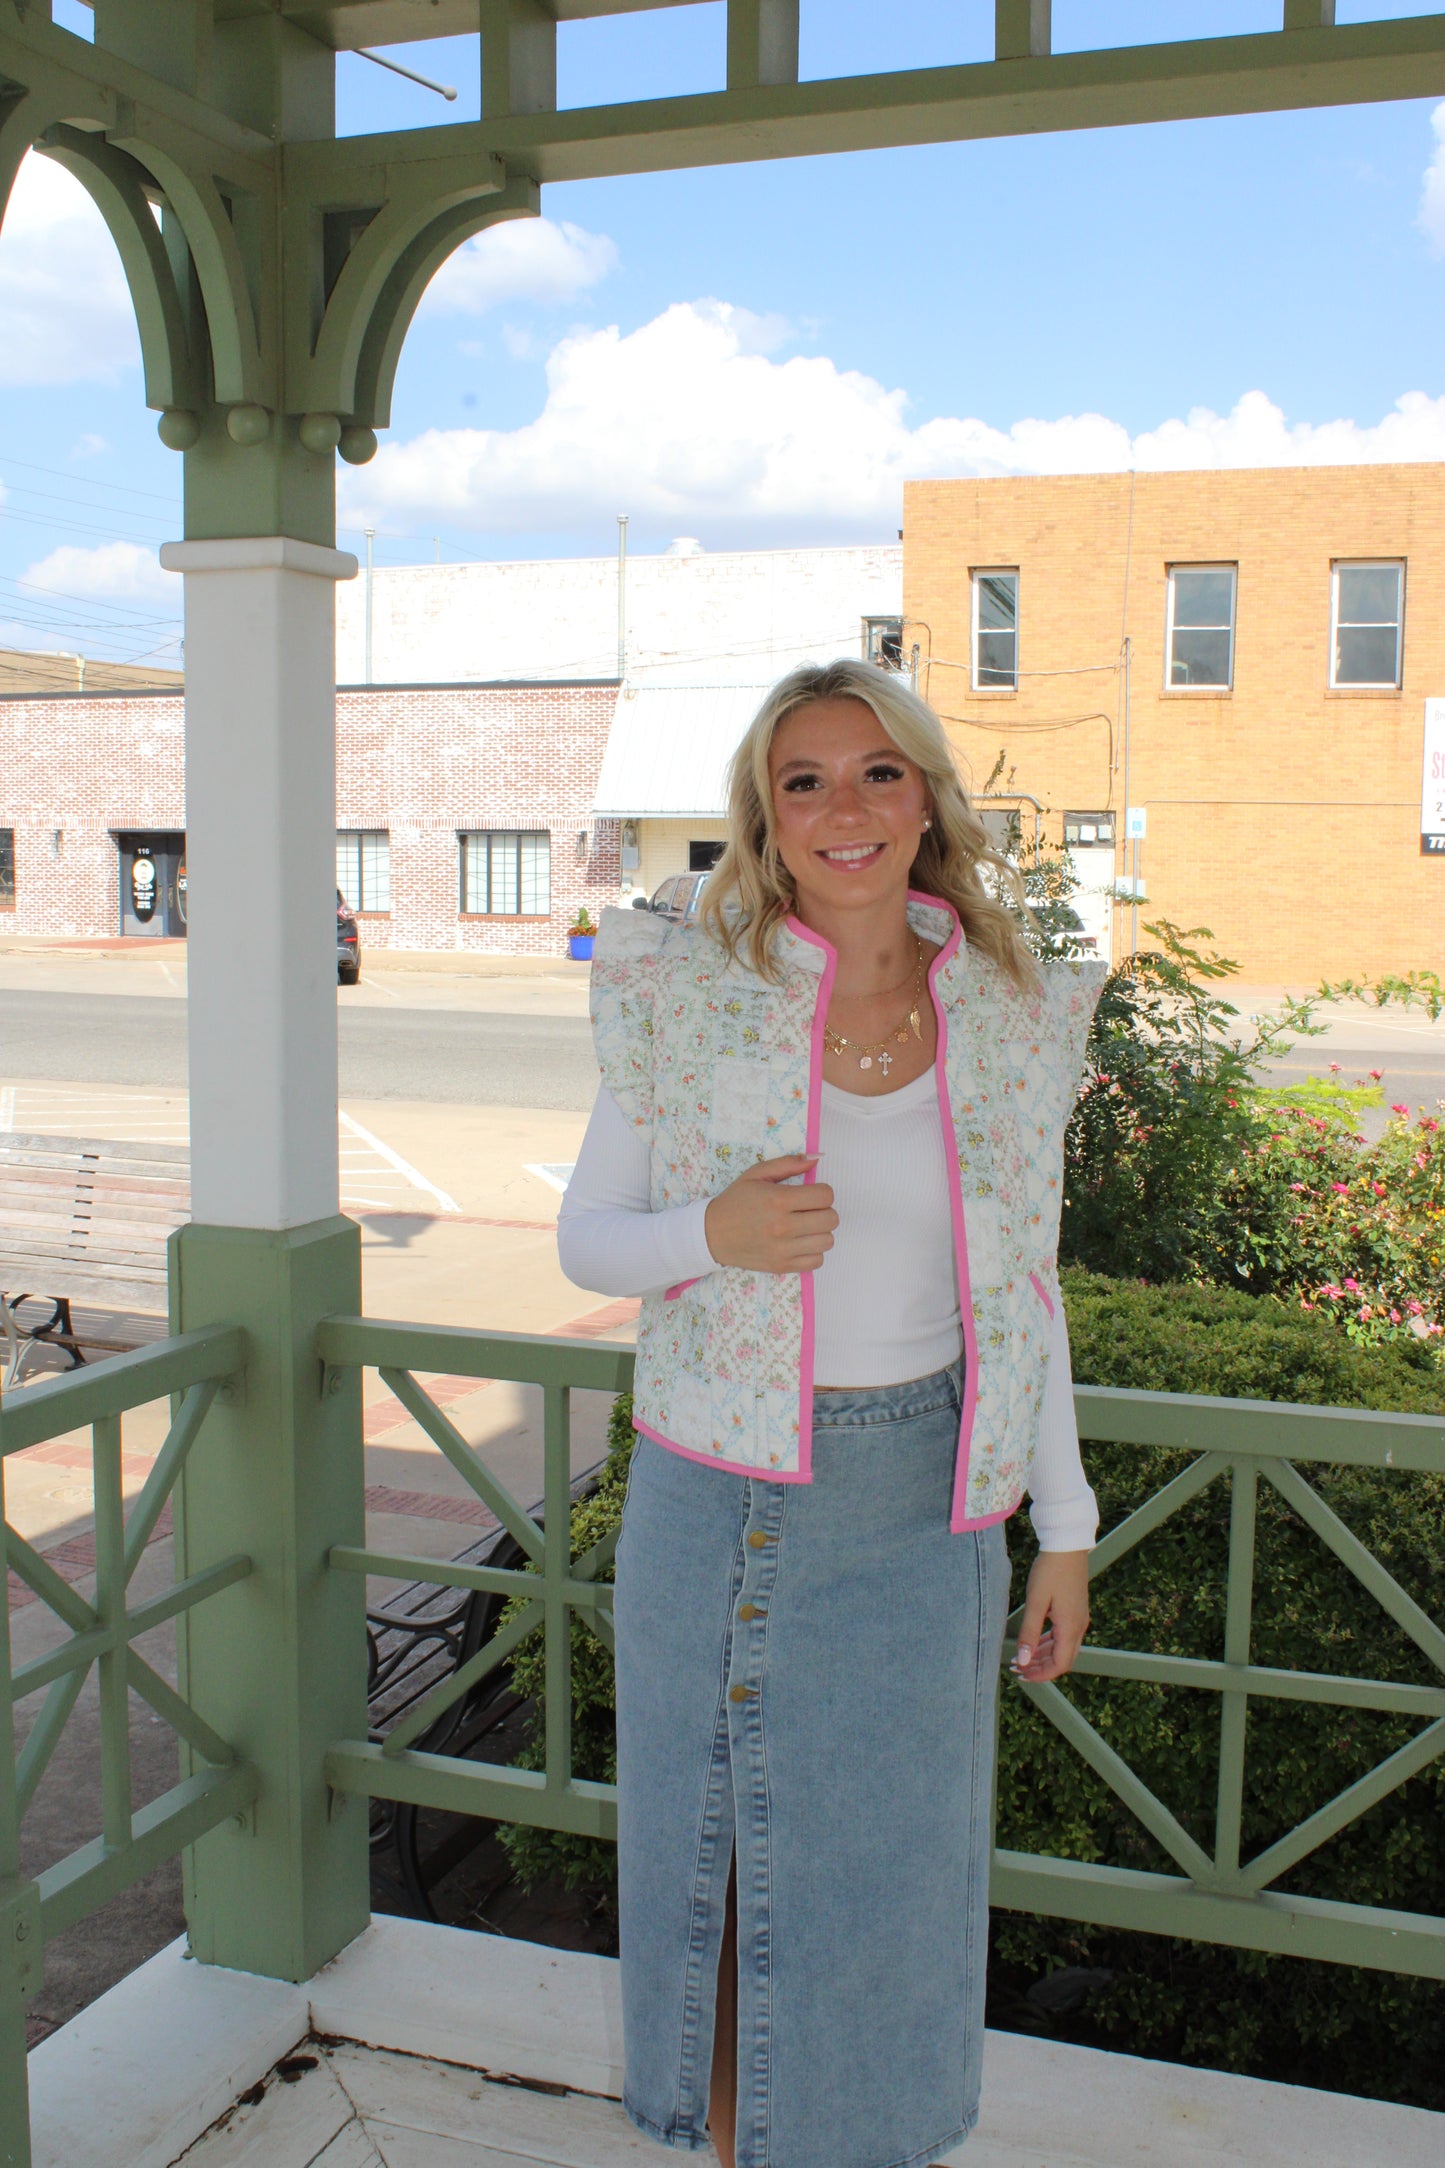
(83, 1221)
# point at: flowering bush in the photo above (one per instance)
(1352, 1229)
(1182, 1163)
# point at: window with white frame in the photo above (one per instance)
(1367, 620)
(1200, 642)
(507, 872)
(995, 628)
(363, 867)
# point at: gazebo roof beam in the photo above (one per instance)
(347, 24)
(1120, 86)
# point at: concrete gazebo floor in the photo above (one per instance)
(427, 2047)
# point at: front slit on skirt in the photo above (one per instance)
(807, 1675)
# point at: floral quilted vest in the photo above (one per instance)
(719, 1068)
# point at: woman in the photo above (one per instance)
(827, 1153)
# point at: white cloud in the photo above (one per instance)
(116, 572)
(63, 296)
(523, 259)
(89, 446)
(1431, 214)
(693, 423)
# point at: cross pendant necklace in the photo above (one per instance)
(837, 1044)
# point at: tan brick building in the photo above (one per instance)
(1284, 629)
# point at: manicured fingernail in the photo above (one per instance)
(1025, 1656)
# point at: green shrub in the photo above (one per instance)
(1317, 2024)
(1320, 2024)
(536, 1854)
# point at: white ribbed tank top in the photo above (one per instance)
(886, 1294)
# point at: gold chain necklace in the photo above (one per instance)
(835, 1042)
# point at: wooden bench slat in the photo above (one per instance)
(124, 1149)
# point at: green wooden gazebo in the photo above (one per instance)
(274, 270)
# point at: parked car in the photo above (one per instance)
(676, 899)
(348, 943)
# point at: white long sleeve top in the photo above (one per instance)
(886, 1298)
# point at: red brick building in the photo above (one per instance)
(464, 813)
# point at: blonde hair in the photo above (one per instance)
(751, 893)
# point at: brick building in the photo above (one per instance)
(464, 814)
(471, 810)
(1285, 631)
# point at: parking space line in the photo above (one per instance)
(402, 1166)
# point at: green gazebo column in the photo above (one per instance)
(278, 1663)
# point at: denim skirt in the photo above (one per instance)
(806, 1679)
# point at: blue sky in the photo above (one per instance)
(758, 356)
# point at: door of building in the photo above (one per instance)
(152, 882)
(1089, 842)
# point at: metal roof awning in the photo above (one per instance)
(668, 751)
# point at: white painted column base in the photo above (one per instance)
(139, 2075)
(261, 876)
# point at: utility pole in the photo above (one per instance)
(1134, 841)
(913, 667)
(370, 538)
(622, 594)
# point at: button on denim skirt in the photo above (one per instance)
(806, 1676)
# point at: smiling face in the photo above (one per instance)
(848, 810)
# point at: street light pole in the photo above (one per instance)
(370, 537)
(622, 594)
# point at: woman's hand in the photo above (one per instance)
(1056, 1616)
(766, 1221)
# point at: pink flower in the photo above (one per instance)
(1416, 1309)
(1378, 1188)
(1399, 1110)
(1364, 1312)
(1352, 1287)
(1331, 1293)
(1341, 1189)
(1376, 1074)
(1394, 1317)
(1334, 1068)
(1297, 1186)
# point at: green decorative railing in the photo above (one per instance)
(305, 1855)
(101, 1633)
(550, 1798)
(1216, 1896)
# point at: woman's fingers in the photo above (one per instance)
(766, 1221)
(1055, 1616)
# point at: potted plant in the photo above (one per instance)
(580, 936)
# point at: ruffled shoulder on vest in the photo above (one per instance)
(1072, 987)
(632, 953)
(1058, 1013)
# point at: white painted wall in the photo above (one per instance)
(663, 845)
(693, 618)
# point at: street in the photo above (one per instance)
(454, 1056)
(524, 1043)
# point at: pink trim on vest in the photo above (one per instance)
(950, 948)
(720, 1460)
(810, 1144)
(670, 1294)
(1043, 1294)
